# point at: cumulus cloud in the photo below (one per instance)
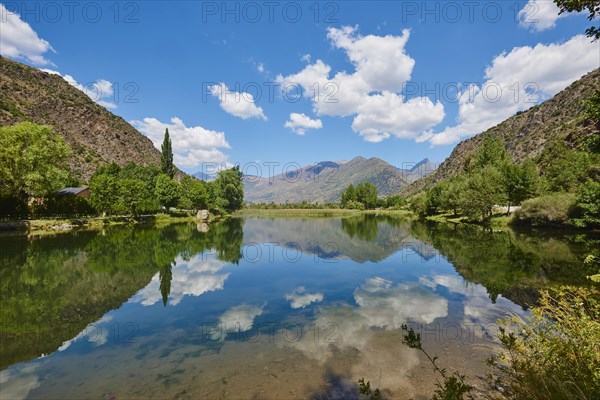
(190, 278)
(94, 333)
(238, 319)
(18, 40)
(192, 146)
(517, 80)
(372, 93)
(539, 15)
(300, 298)
(299, 123)
(239, 104)
(100, 91)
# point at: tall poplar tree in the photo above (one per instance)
(166, 157)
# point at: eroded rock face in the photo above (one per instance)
(96, 136)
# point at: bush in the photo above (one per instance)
(355, 205)
(550, 210)
(555, 354)
(588, 204)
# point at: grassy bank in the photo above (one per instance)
(315, 213)
(44, 227)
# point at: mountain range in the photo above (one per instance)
(324, 182)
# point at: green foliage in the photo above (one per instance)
(395, 202)
(135, 198)
(520, 182)
(592, 107)
(167, 191)
(592, 7)
(194, 194)
(564, 169)
(364, 196)
(33, 160)
(588, 204)
(492, 153)
(554, 354)
(228, 189)
(166, 156)
(104, 191)
(482, 191)
(549, 210)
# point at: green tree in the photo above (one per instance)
(166, 156)
(348, 195)
(564, 169)
(366, 193)
(135, 198)
(167, 191)
(588, 203)
(520, 182)
(229, 189)
(590, 6)
(452, 190)
(492, 153)
(33, 160)
(483, 191)
(194, 194)
(104, 190)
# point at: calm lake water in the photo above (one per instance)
(264, 308)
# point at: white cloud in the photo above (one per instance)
(260, 67)
(189, 278)
(517, 80)
(299, 298)
(299, 123)
(94, 333)
(239, 104)
(372, 92)
(192, 146)
(238, 319)
(539, 15)
(99, 91)
(18, 40)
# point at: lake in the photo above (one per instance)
(264, 308)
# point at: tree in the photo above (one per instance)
(366, 193)
(104, 190)
(520, 182)
(591, 6)
(33, 160)
(564, 169)
(229, 189)
(348, 195)
(166, 156)
(492, 153)
(483, 191)
(452, 190)
(194, 194)
(167, 191)
(134, 198)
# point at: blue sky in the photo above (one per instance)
(395, 68)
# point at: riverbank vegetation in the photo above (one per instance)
(33, 167)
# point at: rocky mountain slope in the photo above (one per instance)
(325, 181)
(525, 134)
(96, 136)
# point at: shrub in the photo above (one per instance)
(588, 204)
(355, 205)
(555, 354)
(550, 210)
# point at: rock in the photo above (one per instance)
(203, 215)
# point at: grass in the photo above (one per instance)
(315, 213)
(48, 227)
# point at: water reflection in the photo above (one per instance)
(262, 307)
